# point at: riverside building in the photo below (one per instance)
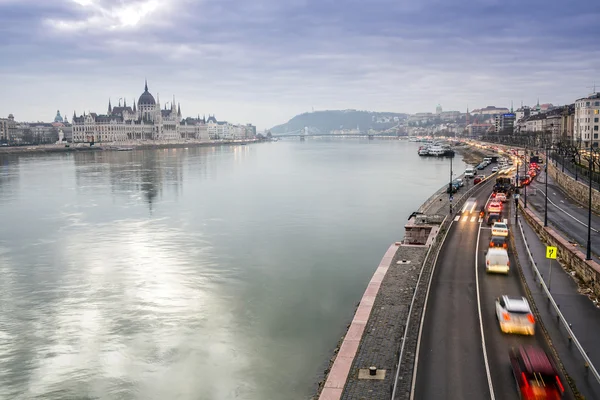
(144, 121)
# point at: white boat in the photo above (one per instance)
(437, 150)
(423, 151)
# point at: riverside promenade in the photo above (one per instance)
(113, 146)
(385, 327)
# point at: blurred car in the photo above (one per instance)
(535, 375)
(499, 229)
(499, 241)
(476, 180)
(493, 218)
(497, 260)
(494, 206)
(470, 206)
(495, 169)
(514, 315)
(501, 197)
(459, 181)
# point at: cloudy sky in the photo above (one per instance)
(264, 61)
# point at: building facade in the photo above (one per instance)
(8, 129)
(144, 121)
(587, 114)
(504, 123)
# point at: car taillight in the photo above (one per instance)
(508, 263)
(530, 318)
(505, 246)
(506, 316)
(562, 389)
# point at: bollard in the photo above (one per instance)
(372, 371)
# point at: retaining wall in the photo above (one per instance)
(577, 190)
(569, 254)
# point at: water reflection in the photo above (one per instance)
(236, 286)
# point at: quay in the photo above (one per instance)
(131, 145)
(376, 358)
(386, 323)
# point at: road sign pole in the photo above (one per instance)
(550, 273)
(550, 255)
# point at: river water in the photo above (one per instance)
(201, 273)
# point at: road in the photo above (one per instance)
(564, 214)
(451, 360)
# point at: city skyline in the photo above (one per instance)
(272, 61)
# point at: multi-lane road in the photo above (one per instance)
(564, 214)
(462, 354)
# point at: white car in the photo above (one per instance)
(495, 169)
(499, 229)
(501, 197)
(514, 315)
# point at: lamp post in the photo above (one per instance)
(588, 253)
(525, 174)
(450, 189)
(546, 189)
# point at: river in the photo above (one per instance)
(202, 273)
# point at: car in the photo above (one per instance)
(493, 218)
(535, 375)
(499, 241)
(477, 180)
(499, 229)
(501, 197)
(497, 260)
(495, 169)
(494, 207)
(514, 315)
(460, 182)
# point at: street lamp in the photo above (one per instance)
(546, 189)
(588, 253)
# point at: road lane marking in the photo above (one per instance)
(556, 205)
(480, 220)
(457, 218)
(415, 368)
(485, 358)
(416, 365)
(473, 219)
(465, 218)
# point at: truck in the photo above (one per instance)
(504, 185)
(494, 159)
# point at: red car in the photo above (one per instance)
(535, 374)
(476, 180)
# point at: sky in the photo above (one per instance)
(265, 61)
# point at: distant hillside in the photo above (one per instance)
(329, 120)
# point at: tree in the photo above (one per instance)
(269, 135)
(28, 136)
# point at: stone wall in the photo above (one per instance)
(577, 190)
(587, 271)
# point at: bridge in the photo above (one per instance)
(310, 131)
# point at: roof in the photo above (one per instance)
(516, 304)
(535, 360)
(146, 97)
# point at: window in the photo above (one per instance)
(596, 119)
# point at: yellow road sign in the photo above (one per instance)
(551, 252)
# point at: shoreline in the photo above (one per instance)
(54, 148)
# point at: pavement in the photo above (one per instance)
(564, 214)
(578, 310)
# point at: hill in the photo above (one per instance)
(330, 120)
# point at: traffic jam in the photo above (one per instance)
(535, 374)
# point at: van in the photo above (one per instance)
(496, 260)
(470, 172)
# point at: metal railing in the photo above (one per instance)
(539, 276)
